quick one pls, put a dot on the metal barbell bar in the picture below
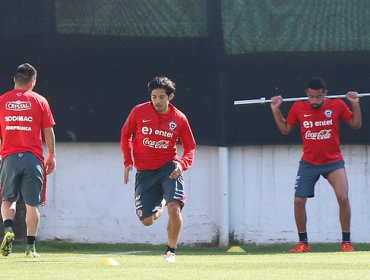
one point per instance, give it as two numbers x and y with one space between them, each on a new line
263 100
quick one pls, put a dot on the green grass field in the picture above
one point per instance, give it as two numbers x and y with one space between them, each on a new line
84 261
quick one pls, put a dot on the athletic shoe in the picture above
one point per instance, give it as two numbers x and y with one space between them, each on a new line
347 247
6 245
301 248
169 257
31 252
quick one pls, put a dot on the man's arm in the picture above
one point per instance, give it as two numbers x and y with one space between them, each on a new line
189 145
356 121
50 163
278 116
127 132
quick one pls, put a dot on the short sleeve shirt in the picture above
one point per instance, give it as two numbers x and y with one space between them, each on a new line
320 129
23 115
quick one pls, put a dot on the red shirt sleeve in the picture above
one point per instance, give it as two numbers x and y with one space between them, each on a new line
127 133
292 118
47 117
188 144
346 114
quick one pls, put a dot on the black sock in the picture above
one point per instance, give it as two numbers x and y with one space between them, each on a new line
172 250
8 223
346 237
31 240
303 237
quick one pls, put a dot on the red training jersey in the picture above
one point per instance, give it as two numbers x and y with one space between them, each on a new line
320 129
152 137
23 114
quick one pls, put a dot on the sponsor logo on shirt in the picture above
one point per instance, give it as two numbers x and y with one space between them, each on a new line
309 124
18 105
18 127
161 144
320 135
148 131
18 118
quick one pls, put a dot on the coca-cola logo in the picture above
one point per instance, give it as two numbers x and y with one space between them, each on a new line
161 144
320 135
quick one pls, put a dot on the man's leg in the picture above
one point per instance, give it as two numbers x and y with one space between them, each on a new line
173 230
338 180
301 221
8 210
174 223
150 220
32 222
300 213
175 195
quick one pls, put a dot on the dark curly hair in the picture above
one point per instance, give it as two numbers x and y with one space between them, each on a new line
162 82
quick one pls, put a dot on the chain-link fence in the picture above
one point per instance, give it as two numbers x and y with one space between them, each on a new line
296 25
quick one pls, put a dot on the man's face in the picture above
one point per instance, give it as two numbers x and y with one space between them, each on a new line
316 97
161 100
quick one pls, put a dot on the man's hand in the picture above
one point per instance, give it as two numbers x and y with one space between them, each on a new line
356 121
177 171
276 102
50 164
352 96
126 173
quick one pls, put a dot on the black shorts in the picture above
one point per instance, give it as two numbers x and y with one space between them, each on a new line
151 186
309 173
22 177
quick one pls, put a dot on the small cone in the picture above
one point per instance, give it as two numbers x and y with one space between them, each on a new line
236 249
109 261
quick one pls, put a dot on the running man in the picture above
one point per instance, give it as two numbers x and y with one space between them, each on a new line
23 115
150 135
319 119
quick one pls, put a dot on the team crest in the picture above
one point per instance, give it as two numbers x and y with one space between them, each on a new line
328 113
172 125
139 213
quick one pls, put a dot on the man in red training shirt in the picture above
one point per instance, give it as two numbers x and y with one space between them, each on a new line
319 119
149 136
24 115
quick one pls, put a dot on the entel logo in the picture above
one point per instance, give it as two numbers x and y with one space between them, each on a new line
18 105
148 131
309 124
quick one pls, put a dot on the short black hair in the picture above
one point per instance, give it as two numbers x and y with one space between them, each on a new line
317 83
162 82
25 73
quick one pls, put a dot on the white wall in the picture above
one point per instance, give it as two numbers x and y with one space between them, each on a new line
88 202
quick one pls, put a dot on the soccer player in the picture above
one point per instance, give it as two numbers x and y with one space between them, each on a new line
23 115
150 135
319 121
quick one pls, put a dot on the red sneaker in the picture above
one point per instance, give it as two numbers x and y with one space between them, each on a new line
347 247
301 248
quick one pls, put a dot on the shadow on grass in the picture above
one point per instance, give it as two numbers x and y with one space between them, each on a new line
203 249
